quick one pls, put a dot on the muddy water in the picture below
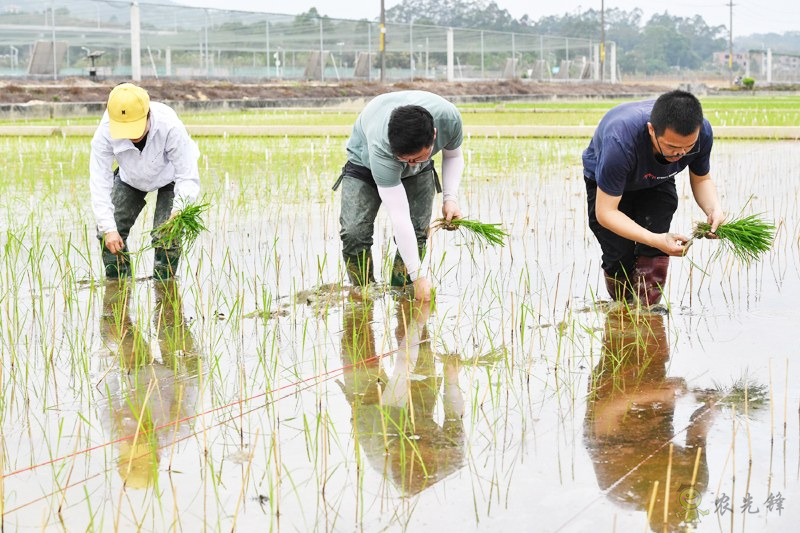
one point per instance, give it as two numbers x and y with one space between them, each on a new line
257 392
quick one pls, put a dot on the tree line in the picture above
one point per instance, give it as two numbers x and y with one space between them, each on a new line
661 44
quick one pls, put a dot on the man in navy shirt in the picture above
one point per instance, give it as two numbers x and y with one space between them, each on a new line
629 169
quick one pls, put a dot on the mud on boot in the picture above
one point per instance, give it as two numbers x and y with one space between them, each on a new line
116 266
359 268
400 277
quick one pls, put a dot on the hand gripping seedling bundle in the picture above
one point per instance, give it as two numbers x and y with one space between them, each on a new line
484 233
747 238
182 229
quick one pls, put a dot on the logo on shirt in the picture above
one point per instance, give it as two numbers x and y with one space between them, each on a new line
652 177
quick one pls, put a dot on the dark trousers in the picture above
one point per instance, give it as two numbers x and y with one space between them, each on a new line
128 204
651 208
360 203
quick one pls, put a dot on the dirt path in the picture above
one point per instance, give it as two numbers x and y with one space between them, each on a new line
82 90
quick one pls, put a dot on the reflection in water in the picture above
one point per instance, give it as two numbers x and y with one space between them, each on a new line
393 416
630 416
146 392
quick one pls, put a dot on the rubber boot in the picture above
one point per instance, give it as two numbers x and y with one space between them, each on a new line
618 288
650 276
359 268
116 266
165 263
400 277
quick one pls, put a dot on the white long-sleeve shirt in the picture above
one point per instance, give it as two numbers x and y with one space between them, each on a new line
169 155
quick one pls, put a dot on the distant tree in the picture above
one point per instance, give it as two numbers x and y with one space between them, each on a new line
484 14
664 43
668 42
585 24
311 18
788 42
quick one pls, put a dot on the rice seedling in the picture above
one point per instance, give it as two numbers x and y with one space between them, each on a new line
746 238
183 229
485 233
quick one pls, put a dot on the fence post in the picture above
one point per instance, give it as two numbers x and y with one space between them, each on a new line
427 72
450 71
206 55
769 65
55 55
266 23
136 43
541 47
382 46
483 74
369 51
411 48
541 58
321 53
513 56
613 61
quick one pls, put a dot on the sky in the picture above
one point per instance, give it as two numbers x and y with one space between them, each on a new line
749 16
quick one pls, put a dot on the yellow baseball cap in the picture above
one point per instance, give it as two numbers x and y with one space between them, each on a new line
128 106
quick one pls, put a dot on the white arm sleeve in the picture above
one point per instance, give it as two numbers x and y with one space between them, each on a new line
183 153
396 202
101 182
452 169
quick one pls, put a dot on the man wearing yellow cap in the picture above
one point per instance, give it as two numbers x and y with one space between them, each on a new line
153 152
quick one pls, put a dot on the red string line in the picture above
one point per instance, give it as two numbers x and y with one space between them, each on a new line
193 434
208 412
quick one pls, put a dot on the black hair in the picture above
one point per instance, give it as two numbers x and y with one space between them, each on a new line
679 111
410 130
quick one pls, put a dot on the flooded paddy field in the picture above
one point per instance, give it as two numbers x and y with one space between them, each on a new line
257 391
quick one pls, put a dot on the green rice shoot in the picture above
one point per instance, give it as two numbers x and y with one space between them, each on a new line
747 238
485 233
182 230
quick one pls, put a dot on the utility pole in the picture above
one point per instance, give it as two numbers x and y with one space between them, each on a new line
730 44
602 57
382 46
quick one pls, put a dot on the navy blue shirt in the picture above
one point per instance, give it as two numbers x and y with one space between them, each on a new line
621 158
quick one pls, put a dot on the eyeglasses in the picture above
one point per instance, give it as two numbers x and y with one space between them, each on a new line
675 156
423 156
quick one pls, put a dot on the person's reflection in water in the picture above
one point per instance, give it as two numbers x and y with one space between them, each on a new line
393 416
630 415
146 392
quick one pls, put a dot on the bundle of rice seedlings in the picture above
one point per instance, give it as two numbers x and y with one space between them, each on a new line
183 229
485 233
746 238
